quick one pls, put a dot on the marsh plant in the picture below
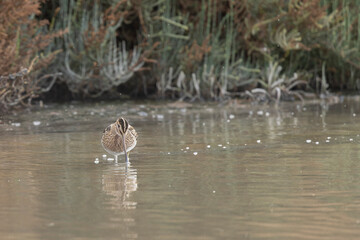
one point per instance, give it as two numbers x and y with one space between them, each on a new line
191 50
276 86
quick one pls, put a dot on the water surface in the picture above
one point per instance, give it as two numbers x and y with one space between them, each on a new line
199 171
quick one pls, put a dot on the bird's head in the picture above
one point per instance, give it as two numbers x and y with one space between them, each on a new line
121 126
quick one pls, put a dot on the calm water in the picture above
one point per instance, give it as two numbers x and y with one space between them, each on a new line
198 172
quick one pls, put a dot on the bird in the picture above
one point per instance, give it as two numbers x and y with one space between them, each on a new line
119 136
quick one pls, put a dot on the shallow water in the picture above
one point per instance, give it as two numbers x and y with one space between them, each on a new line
198 172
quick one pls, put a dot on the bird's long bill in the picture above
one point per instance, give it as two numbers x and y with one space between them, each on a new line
126 156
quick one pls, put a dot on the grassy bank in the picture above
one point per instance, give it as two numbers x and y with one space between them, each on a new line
207 49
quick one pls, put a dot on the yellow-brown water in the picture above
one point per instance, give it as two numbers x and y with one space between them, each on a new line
198 172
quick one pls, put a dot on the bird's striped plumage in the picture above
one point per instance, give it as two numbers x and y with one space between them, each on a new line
118 134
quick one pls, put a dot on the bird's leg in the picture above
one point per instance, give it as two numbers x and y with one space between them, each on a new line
126 156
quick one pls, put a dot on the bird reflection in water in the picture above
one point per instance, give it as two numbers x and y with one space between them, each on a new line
119 182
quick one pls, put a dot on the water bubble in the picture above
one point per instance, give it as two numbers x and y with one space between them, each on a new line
187 148
16 124
258 141
260 113
104 155
328 137
208 146
220 145
96 160
224 147
110 159
351 139
168 153
228 120
267 114
231 116
36 123
195 153
308 141
327 140
317 143
354 114
214 191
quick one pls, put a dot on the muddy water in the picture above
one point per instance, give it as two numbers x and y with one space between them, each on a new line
198 172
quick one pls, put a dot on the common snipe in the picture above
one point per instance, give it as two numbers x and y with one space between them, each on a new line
119 136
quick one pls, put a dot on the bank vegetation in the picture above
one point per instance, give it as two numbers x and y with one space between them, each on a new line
177 49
